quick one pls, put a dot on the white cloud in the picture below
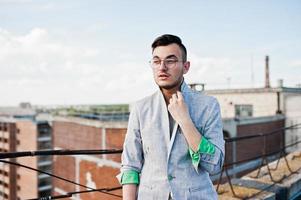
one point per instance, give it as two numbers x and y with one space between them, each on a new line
15 1
212 71
44 69
225 72
295 63
37 67
37 5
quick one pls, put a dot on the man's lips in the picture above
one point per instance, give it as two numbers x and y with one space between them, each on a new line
163 75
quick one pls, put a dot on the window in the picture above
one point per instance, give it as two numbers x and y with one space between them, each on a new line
243 110
45 145
44 158
46 168
45 193
44 182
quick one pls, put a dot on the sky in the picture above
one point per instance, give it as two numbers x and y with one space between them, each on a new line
97 51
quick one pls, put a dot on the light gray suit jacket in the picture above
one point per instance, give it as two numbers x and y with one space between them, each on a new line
164 164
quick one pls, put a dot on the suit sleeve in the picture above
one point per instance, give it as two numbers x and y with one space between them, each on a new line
210 154
132 155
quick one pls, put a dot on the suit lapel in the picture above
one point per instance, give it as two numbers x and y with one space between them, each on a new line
173 136
165 130
184 89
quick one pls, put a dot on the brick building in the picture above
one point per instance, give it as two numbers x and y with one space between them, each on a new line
96 171
24 135
242 150
263 102
99 171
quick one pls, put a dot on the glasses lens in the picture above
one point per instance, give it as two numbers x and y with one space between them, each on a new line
169 63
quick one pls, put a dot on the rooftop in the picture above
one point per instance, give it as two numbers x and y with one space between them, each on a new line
255 90
17 111
92 122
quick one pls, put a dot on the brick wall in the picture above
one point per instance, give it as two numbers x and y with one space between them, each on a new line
251 148
64 166
69 135
96 171
114 140
98 177
27 139
19 136
100 171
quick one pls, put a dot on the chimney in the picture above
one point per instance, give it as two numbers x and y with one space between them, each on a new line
267 73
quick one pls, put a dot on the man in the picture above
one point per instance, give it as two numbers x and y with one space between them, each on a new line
174 138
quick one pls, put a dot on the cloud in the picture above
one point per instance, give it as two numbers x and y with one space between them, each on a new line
295 63
218 72
43 69
16 1
36 5
209 70
36 56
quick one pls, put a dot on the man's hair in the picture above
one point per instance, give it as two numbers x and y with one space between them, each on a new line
168 39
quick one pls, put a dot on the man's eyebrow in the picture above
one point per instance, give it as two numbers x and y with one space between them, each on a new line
167 57
171 56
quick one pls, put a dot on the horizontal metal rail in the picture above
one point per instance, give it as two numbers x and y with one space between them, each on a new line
70 194
4 156
55 176
59 152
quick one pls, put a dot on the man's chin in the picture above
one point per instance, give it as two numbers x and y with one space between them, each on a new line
166 86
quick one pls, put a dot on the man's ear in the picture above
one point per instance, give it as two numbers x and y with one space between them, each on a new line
186 67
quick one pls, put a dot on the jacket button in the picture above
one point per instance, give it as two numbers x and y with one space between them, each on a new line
170 177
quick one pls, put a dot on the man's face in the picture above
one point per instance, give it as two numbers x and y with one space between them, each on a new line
169 76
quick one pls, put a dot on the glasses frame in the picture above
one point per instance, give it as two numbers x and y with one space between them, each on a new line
169 66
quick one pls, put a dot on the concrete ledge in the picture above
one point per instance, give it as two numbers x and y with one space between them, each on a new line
288 185
243 192
279 191
293 184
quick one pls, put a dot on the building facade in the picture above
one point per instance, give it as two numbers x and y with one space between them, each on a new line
247 152
18 135
94 171
263 102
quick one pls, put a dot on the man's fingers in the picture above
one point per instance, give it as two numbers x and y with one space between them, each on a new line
174 97
180 96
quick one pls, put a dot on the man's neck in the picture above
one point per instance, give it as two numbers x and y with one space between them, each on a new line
167 93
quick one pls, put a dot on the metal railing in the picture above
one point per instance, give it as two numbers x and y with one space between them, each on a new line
264 161
62 152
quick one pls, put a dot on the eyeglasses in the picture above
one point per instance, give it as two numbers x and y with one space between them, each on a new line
169 63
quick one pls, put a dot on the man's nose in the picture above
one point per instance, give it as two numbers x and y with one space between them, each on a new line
162 65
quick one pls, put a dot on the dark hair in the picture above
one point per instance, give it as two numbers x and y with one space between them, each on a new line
168 39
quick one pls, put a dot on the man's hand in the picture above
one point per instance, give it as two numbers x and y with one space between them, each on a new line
178 109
